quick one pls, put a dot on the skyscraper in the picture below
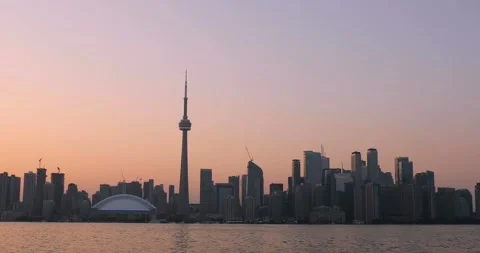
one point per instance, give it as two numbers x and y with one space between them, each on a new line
41 178
356 166
403 170
312 167
295 172
58 181
4 190
171 194
185 125
29 192
255 183
244 187
235 182
206 188
372 165
14 190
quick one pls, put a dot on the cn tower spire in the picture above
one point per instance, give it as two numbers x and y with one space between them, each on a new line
185 99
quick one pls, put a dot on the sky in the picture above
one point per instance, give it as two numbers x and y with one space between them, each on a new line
96 87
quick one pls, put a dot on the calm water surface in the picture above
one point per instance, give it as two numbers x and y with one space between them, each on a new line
145 238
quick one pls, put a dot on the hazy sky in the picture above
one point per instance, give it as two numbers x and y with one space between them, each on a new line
97 86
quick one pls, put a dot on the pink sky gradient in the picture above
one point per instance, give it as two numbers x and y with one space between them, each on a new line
94 87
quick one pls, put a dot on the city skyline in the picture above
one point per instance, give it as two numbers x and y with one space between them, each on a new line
104 95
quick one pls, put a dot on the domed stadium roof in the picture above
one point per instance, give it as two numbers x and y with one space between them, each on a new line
124 202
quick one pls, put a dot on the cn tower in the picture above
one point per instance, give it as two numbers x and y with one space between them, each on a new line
185 125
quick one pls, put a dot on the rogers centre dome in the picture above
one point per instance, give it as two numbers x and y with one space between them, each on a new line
123 207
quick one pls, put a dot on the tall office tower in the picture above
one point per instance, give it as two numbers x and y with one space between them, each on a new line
171 194
185 125
235 182
4 191
403 170
146 191
356 166
477 199
223 191
105 191
303 200
275 208
29 192
372 165
276 188
134 188
244 187
151 188
206 188
41 179
229 209
255 183
250 209
48 191
159 200
295 172
14 191
325 163
425 195
312 167
58 181
329 183
372 202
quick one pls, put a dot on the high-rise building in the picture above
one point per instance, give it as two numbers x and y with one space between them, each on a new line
4 191
312 167
185 125
159 200
295 172
255 183
403 170
41 179
206 188
477 200
171 194
356 166
148 187
303 200
14 191
372 165
244 187
29 180
235 182
48 192
371 202
223 191
105 191
250 209
58 181
229 208
275 210
276 188
329 183
425 190
325 163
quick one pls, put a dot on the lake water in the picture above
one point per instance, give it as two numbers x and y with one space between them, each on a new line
145 238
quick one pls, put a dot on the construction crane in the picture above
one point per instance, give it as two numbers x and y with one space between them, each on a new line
251 158
123 176
40 162
322 150
58 168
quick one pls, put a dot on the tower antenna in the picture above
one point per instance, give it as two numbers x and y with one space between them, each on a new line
40 163
322 150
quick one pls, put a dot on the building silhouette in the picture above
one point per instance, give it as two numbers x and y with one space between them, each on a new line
29 181
185 125
403 170
41 179
206 191
255 183
373 171
356 167
312 167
